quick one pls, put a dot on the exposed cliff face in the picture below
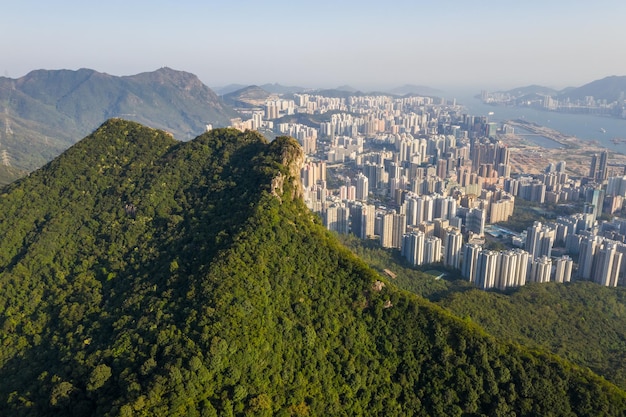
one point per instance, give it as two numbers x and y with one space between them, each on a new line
289 153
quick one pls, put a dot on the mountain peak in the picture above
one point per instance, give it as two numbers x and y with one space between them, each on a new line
290 155
50 109
250 96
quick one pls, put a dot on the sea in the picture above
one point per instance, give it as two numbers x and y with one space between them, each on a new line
600 129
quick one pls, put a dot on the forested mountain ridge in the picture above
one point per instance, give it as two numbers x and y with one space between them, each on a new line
580 321
144 276
46 111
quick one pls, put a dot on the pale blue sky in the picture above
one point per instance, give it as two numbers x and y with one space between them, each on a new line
488 44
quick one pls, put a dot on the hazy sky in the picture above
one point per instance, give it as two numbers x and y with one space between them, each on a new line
322 43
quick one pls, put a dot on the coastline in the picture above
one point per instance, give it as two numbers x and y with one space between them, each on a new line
530 158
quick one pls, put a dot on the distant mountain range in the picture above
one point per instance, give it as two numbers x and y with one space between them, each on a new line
531 89
347 91
415 90
610 89
46 110
247 97
342 90
270 88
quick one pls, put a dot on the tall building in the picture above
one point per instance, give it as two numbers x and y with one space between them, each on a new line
593 168
386 231
470 261
563 271
368 221
452 248
363 217
362 187
336 218
588 248
602 169
475 221
521 269
506 271
411 210
432 250
541 269
616 186
399 229
441 227
502 154
425 209
413 247
375 174
452 207
312 172
539 240
598 168
501 210
595 197
486 269
608 265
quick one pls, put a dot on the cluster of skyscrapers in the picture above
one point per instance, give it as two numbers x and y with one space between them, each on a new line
418 175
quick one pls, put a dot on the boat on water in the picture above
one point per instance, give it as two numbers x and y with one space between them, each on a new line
603 130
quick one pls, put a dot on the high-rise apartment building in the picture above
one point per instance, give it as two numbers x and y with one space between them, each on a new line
541 269
362 187
598 169
452 248
540 239
432 250
486 269
608 264
386 231
563 271
336 218
399 229
413 247
470 261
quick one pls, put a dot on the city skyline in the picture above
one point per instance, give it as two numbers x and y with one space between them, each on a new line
367 45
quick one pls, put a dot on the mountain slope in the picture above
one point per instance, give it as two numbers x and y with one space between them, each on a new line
608 88
45 111
247 97
582 322
153 277
532 90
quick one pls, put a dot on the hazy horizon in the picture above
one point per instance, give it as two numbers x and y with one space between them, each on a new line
367 45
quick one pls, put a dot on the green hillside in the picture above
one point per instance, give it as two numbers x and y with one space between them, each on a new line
45 111
582 322
144 276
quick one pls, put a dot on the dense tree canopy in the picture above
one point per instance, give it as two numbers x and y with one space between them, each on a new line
143 276
580 321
